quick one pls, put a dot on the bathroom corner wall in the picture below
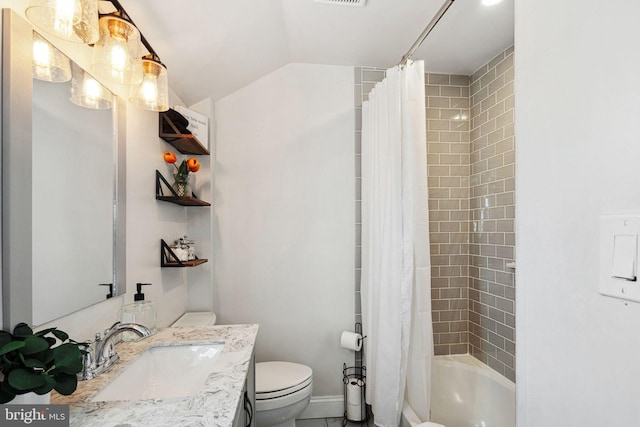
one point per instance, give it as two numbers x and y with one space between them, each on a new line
365 78
447 101
200 292
492 237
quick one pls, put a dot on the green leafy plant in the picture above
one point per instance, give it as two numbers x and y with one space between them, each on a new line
38 362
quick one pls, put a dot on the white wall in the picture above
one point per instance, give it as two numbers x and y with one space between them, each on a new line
284 204
199 221
149 220
577 151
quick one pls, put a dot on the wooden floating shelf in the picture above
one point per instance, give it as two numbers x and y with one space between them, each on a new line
184 143
174 198
183 200
191 263
168 258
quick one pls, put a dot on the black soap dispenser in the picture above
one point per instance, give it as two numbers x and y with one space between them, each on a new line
140 311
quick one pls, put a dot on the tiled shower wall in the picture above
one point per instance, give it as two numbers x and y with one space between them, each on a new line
470 157
492 237
447 112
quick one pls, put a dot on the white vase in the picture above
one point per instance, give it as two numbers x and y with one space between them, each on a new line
31 399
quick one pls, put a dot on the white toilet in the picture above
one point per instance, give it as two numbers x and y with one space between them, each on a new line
283 391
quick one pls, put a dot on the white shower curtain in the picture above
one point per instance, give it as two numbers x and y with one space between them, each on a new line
395 284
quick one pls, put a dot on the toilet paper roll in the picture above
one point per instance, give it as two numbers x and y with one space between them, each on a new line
351 341
354 394
354 413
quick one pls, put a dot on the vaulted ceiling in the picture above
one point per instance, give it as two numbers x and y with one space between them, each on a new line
215 47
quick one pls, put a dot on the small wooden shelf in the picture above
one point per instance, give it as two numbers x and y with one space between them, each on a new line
183 200
184 143
168 258
191 263
174 198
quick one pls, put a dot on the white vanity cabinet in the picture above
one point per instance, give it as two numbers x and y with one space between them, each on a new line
246 410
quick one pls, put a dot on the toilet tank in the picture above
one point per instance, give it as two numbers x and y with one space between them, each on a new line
196 318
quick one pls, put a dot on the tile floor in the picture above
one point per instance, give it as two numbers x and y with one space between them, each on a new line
330 422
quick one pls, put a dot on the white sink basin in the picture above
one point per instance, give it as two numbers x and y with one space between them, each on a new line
163 372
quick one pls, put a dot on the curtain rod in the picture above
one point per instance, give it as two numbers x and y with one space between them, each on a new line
407 56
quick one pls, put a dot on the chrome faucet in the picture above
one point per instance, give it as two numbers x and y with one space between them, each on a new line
101 355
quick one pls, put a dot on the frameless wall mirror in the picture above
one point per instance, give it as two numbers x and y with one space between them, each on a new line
73 194
63 190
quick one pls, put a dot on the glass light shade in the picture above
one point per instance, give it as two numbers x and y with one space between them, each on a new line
49 64
117 56
88 92
153 93
72 20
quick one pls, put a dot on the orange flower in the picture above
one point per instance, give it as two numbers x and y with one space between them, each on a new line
169 157
193 164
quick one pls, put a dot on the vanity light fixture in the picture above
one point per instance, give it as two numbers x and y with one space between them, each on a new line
153 93
116 55
48 63
88 92
72 20
490 2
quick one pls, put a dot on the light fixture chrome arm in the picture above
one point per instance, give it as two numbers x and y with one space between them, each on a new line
407 56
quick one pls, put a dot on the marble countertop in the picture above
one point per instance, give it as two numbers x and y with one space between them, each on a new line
214 406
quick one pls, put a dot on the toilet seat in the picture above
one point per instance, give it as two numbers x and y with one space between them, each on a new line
279 384
276 379
282 392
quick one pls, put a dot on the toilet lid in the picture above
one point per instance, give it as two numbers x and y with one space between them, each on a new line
276 376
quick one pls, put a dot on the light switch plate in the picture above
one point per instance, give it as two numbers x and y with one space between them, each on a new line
612 259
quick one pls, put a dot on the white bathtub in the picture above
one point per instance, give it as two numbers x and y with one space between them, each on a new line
467 393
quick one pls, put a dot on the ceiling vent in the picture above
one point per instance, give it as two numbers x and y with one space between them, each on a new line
359 3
